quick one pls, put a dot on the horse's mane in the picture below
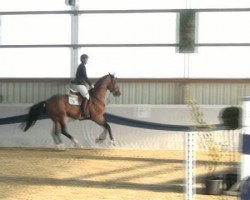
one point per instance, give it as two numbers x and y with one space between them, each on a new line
98 84
100 80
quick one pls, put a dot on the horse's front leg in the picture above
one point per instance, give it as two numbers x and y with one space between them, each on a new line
107 127
102 136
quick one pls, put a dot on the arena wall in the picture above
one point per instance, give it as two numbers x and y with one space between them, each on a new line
135 91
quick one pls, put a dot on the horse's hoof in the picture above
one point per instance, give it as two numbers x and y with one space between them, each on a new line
113 143
79 146
61 147
98 140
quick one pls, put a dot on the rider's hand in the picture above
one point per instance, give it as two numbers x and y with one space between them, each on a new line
92 86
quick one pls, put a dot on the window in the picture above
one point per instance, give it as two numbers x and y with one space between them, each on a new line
128 28
220 62
28 62
135 62
35 29
224 27
120 28
31 5
219 4
130 4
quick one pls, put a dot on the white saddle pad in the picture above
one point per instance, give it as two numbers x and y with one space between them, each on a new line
74 100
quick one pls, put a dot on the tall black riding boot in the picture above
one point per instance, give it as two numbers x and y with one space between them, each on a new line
84 108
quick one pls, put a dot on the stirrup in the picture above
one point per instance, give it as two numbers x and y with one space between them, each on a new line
84 115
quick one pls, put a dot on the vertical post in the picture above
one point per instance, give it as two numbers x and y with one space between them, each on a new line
74 40
189 165
0 31
245 139
186 65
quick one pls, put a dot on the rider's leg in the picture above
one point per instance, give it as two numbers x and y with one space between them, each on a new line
84 108
85 94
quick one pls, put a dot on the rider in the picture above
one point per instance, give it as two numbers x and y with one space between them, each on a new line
82 82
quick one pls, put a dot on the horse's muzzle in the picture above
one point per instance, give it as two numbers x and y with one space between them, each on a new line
116 92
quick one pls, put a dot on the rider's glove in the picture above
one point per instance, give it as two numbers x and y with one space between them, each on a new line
92 86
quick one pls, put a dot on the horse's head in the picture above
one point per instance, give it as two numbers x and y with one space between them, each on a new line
113 86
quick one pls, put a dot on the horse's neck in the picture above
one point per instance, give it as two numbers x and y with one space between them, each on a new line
101 88
100 93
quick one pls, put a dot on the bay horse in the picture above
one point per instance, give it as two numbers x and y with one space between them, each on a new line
59 110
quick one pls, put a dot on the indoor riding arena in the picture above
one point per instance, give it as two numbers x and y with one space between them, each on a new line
165 110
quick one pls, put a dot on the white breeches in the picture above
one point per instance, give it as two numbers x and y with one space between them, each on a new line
83 91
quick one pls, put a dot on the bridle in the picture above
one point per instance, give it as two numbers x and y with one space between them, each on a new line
111 90
113 84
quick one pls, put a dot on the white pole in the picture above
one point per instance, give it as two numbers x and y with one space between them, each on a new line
189 165
74 40
245 139
0 31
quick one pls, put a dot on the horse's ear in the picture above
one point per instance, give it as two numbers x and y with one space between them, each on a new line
112 75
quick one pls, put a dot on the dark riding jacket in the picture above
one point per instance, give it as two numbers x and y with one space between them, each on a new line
81 76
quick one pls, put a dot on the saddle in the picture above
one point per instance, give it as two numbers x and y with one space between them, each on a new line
75 98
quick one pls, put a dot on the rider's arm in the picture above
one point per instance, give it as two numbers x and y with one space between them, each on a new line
86 77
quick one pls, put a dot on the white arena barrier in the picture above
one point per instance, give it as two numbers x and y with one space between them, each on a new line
245 147
126 137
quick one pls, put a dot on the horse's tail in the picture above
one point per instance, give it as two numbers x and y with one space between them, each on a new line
34 113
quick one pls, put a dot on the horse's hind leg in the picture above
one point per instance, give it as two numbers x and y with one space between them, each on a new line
65 132
56 135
